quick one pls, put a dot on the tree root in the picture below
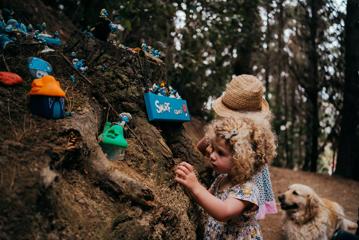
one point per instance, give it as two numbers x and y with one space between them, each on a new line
102 169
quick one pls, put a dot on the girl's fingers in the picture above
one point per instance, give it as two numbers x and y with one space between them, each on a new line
180 180
180 173
187 165
184 169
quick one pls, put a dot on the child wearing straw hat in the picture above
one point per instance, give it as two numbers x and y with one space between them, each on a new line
238 150
243 97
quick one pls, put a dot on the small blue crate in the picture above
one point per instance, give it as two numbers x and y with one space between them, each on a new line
161 108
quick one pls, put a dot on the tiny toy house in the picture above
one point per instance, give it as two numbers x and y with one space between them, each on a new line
47 106
162 108
113 142
47 99
112 139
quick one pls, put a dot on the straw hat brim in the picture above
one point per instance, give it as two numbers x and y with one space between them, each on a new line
223 111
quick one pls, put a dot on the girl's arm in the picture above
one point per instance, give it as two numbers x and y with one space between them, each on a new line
218 209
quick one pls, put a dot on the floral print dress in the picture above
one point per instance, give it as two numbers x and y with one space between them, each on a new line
242 227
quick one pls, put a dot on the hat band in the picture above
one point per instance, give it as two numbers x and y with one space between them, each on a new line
242 109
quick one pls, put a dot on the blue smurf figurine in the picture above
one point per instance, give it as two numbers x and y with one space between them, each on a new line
163 90
125 118
73 79
173 93
2 25
155 88
14 26
4 41
30 28
41 27
116 27
10 25
144 47
155 52
104 13
79 64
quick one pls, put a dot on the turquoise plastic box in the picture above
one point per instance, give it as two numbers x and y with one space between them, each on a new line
161 108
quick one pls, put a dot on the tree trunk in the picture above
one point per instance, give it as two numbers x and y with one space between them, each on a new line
348 153
243 64
315 133
267 53
278 92
293 113
311 157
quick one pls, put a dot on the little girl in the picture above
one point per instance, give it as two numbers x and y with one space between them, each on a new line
238 148
243 97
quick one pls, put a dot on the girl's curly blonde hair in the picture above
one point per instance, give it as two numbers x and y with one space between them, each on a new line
253 144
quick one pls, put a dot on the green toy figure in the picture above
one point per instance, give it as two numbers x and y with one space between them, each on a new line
112 139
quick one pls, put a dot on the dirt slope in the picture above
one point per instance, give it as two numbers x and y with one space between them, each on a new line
56 182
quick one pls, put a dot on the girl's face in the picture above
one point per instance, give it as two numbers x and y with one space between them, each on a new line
220 155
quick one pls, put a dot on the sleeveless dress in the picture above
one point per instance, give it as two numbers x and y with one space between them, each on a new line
243 227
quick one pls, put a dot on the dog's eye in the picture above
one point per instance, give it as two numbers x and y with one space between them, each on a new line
295 193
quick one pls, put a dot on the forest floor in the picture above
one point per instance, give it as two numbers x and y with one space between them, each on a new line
343 191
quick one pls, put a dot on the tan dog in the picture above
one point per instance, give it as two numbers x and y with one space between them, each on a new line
309 217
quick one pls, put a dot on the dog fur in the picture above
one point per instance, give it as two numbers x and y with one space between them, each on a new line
310 217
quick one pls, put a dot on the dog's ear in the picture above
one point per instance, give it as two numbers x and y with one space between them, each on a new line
312 205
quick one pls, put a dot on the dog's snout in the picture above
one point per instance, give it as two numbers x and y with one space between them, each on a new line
281 198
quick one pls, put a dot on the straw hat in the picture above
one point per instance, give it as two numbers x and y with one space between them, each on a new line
243 98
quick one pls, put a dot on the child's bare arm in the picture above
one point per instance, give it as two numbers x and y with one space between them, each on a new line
218 209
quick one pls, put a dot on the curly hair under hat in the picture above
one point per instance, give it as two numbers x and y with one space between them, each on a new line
253 144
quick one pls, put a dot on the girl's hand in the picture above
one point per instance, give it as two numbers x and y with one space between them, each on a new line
186 176
204 146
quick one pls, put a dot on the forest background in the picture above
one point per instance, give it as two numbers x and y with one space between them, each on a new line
306 52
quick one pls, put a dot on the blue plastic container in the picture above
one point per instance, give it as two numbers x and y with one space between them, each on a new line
161 108
48 107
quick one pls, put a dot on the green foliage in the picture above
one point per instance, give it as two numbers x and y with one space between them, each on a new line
216 36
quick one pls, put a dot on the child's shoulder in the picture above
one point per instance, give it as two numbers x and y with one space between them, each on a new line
247 190
247 186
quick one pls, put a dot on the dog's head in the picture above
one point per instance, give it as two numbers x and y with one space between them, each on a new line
300 203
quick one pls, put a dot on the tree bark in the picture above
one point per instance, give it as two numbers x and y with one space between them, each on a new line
348 153
311 158
243 65
267 53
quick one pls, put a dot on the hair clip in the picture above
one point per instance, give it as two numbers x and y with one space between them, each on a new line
229 135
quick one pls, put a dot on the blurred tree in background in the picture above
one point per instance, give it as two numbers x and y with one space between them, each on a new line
348 156
295 47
